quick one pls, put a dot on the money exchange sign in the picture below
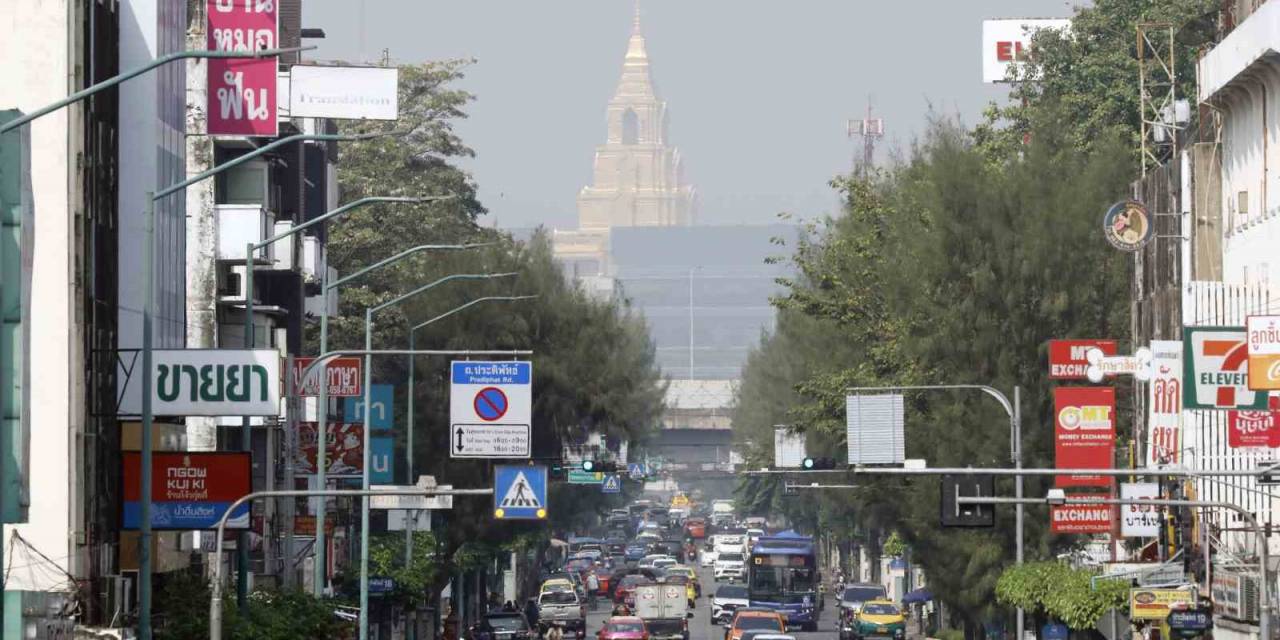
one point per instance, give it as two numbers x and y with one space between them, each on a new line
1084 433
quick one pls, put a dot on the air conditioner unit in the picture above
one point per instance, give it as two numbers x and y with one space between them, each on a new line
283 254
230 284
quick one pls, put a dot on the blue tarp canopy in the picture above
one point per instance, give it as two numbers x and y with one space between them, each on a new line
917 595
789 534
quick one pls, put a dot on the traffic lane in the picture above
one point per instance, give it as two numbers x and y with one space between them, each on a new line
704 630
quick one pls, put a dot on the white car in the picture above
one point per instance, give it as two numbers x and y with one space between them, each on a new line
649 561
730 565
707 557
665 562
727 599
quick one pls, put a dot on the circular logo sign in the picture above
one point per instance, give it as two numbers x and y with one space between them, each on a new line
1069 418
1127 225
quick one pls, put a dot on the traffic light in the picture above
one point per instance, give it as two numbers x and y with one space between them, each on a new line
811 464
593 466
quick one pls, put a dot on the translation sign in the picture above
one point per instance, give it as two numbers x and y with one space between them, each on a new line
242 93
490 409
1263 333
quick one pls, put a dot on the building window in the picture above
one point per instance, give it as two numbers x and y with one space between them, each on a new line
630 127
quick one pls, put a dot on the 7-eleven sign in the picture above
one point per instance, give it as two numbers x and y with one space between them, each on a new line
1215 370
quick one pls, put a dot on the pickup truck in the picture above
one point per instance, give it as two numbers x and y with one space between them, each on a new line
665 610
562 608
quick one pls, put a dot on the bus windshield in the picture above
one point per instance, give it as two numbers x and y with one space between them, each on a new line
781 578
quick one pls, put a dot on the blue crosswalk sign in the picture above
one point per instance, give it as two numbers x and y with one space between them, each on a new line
611 484
636 470
520 492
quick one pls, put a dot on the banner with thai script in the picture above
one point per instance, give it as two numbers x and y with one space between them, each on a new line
1264 352
1139 521
1084 433
242 93
1253 429
345 376
188 490
1164 403
1067 358
1081 518
206 382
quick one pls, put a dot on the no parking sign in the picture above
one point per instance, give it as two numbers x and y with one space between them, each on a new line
490 409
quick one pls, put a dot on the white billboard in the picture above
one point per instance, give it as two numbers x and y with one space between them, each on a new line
874 428
349 93
788 448
1139 521
1007 42
207 382
1164 404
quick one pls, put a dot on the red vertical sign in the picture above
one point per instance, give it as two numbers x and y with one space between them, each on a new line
1067 357
242 93
1084 433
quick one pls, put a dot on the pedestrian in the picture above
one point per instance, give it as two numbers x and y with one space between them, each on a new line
531 612
554 633
593 586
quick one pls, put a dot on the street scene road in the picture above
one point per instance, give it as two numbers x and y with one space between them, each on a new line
639 320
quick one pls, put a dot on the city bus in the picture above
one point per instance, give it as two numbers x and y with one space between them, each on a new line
782 574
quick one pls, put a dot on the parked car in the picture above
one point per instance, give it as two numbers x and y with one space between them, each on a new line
623 628
880 619
727 599
754 620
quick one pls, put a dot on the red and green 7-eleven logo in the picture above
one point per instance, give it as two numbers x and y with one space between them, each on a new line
1215 370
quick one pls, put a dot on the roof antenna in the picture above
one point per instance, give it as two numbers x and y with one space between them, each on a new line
635 22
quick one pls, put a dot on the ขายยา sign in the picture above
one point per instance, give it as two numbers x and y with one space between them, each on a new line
209 382
242 92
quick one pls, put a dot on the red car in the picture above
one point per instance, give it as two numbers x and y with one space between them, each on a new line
695 528
603 577
626 590
623 628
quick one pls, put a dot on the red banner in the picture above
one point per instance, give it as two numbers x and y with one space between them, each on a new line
242 92
1253 429
1081 518
345 375
1067 357
188 490
344 455
1084 433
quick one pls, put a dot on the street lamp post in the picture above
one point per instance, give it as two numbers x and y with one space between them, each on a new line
246 434
368 383
1014 411
319 575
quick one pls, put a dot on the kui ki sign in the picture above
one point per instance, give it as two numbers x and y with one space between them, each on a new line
1215 372
188 490
242 92
1084 433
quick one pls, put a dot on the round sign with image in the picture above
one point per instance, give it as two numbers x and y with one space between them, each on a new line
1127 225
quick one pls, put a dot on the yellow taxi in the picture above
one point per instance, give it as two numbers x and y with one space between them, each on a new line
880 619
556 584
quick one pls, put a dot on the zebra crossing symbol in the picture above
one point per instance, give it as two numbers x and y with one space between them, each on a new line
520 492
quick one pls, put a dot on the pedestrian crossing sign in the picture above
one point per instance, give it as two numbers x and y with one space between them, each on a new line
520 492
611 484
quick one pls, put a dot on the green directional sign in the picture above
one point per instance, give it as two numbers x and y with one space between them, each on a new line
578 476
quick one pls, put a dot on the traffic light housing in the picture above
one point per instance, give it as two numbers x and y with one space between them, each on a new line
812 464
955 514
556 470
598 466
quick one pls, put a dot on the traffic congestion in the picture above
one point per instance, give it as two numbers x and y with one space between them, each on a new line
658 571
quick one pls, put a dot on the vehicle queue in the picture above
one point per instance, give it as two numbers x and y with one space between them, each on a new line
643 565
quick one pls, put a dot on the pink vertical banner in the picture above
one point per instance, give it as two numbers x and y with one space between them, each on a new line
242 92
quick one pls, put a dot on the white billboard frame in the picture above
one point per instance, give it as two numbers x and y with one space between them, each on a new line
344 92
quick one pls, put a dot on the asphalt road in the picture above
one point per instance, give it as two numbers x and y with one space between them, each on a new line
700 627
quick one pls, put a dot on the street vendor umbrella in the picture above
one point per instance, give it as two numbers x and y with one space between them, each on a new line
917 595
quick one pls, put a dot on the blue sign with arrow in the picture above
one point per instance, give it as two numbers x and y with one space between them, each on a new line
611 484
381 397
520 492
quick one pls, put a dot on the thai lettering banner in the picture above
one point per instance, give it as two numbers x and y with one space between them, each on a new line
207 382
1084 433
1264 352
1164 403
242 93
1139 521
188 490
344 449
1253 429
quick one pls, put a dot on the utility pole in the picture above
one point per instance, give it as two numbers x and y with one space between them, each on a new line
871 130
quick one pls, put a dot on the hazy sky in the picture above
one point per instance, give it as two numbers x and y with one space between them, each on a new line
758 90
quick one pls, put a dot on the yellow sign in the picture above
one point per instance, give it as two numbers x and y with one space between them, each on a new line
680 500
1155 604
1263 335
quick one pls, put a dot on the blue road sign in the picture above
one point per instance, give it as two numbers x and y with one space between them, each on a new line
520 492
382 458
611 484
380 585
636 470
381 397
491 404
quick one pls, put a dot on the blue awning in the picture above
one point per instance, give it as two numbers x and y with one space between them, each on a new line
918 595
